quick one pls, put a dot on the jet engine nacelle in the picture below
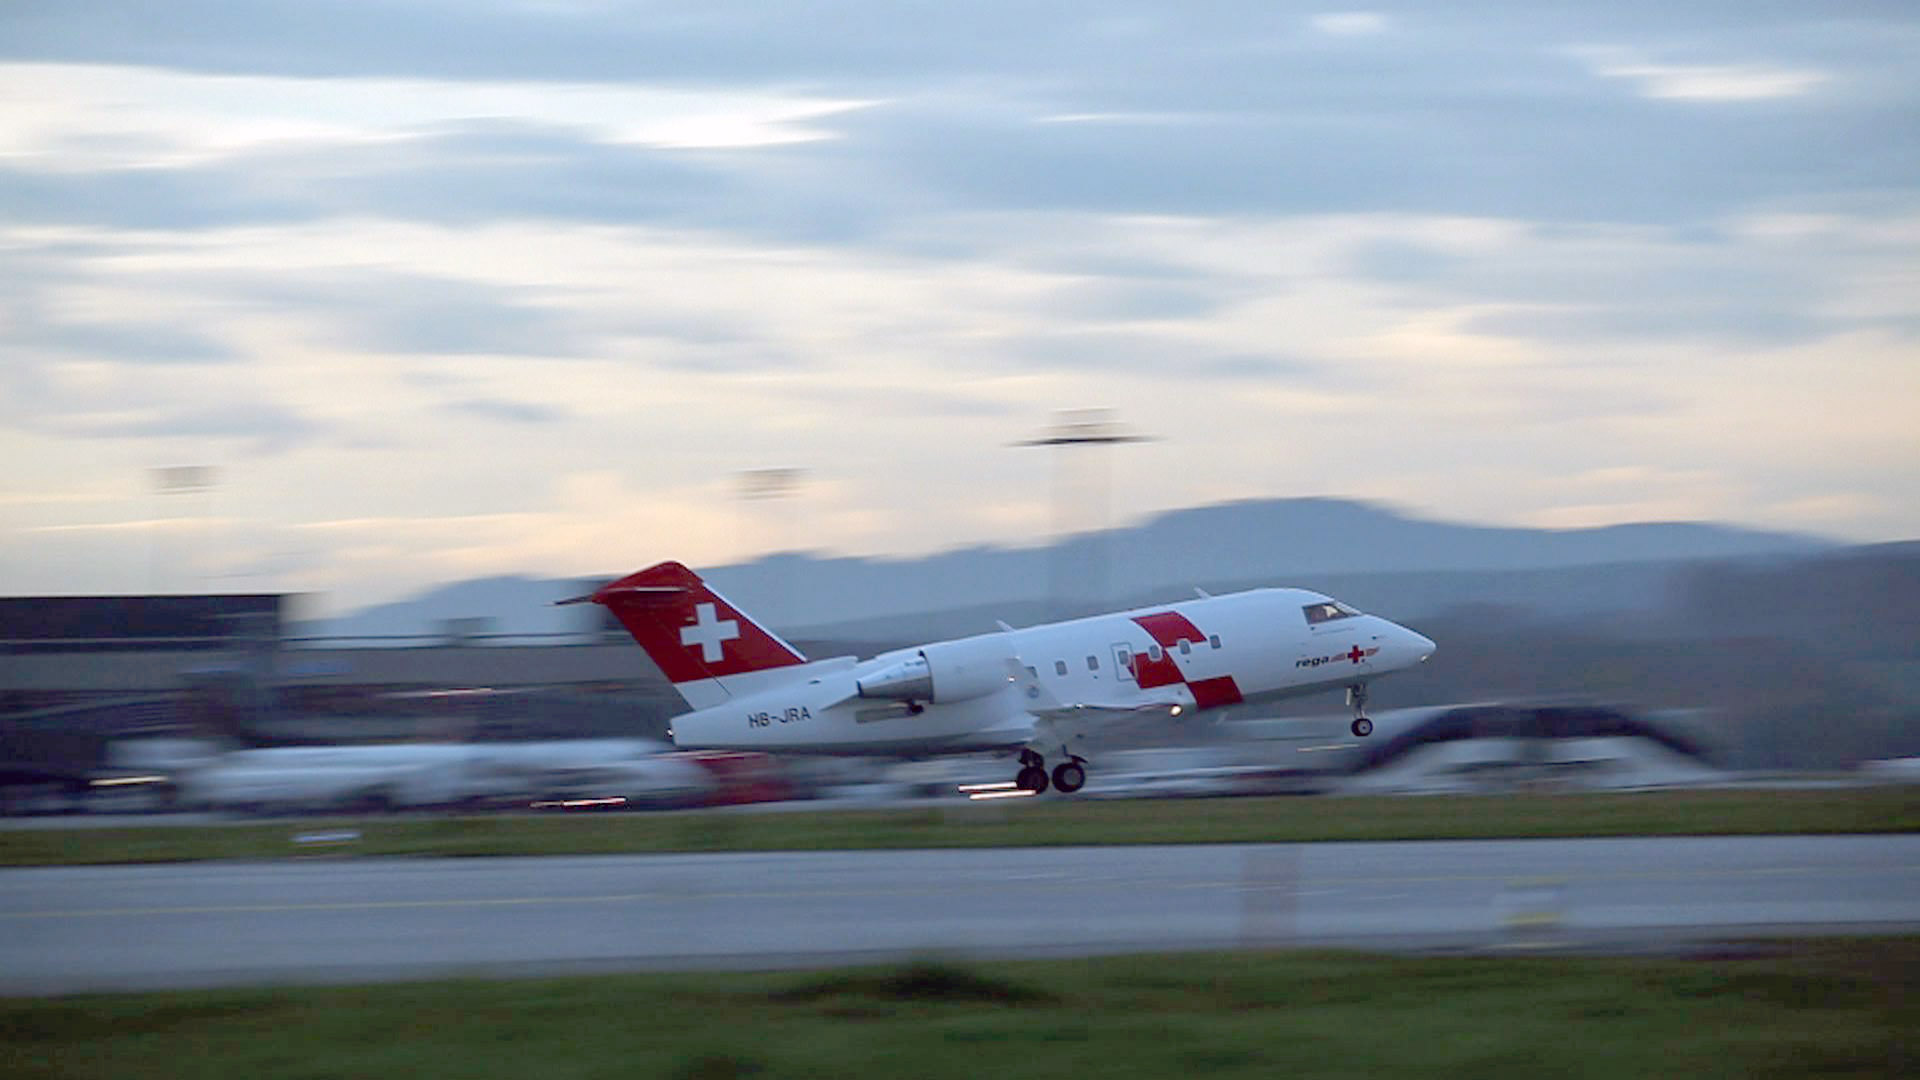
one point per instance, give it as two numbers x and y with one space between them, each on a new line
944 672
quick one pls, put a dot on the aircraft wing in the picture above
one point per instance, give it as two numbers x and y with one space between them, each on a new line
1086 711
1047 707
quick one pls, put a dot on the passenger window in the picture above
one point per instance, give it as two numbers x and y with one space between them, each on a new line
1214 640
1154 653
1093 663
1126 659
1186 647
1059 667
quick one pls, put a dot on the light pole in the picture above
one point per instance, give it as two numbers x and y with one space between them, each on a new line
174 480
771 487
1082 474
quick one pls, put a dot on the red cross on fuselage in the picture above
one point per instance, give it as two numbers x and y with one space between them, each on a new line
1356 655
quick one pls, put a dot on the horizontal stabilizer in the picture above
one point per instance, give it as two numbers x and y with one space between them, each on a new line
638 591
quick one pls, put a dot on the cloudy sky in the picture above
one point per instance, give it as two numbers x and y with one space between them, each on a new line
443 288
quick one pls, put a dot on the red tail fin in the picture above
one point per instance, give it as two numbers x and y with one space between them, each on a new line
691 632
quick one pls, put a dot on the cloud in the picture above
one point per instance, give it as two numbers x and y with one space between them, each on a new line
263 427
150 117
712 42
1169 120
1703 82
457 174
31 330
688 239
512 412
161 198
386 312
110 398
584 522
1742 282
1135 300
978 396
1747 319
1350 23
1161 355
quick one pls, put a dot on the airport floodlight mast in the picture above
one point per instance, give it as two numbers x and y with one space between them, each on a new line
770 486
177 480
1082 481
770 520
773 483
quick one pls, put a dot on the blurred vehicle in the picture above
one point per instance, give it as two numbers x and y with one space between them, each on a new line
421 775
1178 773
741 777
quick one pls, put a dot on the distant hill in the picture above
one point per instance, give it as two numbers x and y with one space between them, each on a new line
1304 542
1321 536
1372 555
1611 591
505 605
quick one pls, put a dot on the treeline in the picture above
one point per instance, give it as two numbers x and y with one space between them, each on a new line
1811 663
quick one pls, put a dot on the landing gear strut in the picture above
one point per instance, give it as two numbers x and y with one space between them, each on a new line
1357 697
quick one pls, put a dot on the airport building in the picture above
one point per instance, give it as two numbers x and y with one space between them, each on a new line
78 674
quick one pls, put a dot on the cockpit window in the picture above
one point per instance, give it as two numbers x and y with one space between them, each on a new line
1327 611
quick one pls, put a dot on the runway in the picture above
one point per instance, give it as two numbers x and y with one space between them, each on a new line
77 929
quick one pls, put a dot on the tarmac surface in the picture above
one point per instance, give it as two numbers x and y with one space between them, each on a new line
342 919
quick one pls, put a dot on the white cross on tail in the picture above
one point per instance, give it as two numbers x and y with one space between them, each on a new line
708 632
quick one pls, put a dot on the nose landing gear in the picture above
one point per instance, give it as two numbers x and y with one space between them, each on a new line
1357 697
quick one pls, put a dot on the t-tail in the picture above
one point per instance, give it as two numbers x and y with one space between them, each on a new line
709 649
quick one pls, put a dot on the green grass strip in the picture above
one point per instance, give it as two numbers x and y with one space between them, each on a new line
1020 823
1828 1007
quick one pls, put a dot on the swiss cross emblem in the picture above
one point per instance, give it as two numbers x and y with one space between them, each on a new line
709 632
1356 655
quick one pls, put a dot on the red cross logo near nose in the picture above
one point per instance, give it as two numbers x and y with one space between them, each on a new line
1356 655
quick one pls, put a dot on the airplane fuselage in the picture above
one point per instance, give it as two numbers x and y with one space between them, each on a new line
991 691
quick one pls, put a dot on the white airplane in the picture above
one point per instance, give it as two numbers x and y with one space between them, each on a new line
418 775
1033 691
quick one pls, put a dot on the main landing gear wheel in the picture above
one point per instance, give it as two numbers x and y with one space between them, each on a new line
1033 773
1069 776
1362 727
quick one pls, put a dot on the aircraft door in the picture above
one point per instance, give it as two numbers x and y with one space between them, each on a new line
1123 661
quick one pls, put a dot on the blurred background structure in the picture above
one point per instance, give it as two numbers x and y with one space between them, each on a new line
1080 442
1711 656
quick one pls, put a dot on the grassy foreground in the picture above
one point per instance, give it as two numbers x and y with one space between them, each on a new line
1808 1008
1027 823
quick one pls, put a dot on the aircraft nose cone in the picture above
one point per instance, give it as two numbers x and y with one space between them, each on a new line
1422 645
